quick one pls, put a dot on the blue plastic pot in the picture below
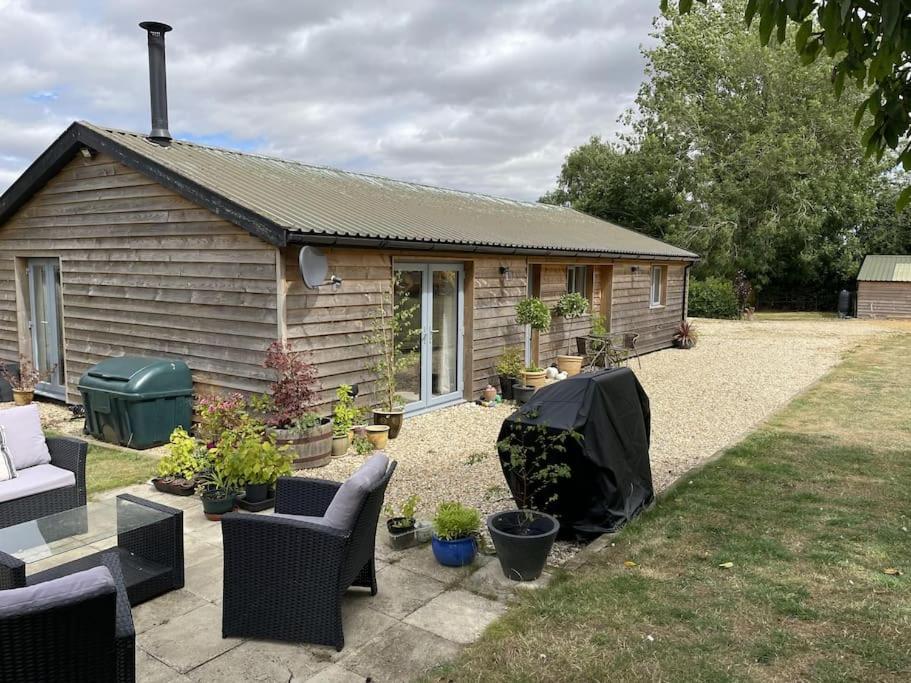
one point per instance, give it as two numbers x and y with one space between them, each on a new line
457 553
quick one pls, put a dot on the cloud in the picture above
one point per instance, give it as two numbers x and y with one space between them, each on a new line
472 95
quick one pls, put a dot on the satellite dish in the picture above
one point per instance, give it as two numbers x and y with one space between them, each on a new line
313 267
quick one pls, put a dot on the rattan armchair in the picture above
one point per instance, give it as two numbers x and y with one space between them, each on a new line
285 575
90 640
66 453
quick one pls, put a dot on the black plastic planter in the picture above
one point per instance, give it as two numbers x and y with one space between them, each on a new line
506 383
522 393
523 539
256 493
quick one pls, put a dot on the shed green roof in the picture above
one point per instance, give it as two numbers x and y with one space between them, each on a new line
312 200
886 268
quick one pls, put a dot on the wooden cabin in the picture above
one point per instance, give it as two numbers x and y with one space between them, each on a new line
884 287
114 244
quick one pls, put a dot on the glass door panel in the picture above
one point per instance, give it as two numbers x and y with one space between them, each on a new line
445 332
409 287
46 325
434 334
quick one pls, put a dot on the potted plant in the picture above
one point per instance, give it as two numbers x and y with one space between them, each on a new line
287 413
532 466
178 470
455 534
522 393
534 313
570 364
378 436
686 335
509 367
216 414
392 335
218 493
404 521
250 457
23 383
344 415
534 376
571 305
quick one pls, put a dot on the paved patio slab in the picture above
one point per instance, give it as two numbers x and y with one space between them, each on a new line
188 641
400 654
457 615
260 661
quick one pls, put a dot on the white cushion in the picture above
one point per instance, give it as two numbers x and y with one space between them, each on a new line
346 503
7 468
37 479
67 590
24 437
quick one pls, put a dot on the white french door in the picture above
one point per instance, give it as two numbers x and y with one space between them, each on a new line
435 291
46 325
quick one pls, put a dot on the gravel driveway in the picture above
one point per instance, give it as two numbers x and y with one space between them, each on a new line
702 400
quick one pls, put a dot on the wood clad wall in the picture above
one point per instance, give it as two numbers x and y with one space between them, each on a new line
561 338
495 327
330 323
630 305
144 272
883 299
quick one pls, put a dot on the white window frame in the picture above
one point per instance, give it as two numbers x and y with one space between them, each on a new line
577 280
657 287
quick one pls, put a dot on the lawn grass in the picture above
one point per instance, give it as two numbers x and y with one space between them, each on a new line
107 468
810 509
789 316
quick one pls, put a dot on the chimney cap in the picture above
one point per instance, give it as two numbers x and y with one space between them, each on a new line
155 26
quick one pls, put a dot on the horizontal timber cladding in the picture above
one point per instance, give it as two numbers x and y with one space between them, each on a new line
143 272
630 310
883 299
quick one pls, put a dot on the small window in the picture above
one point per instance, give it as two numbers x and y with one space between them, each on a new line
659 285
577 280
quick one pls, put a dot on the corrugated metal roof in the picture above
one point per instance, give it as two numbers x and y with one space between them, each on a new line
323 201
886 268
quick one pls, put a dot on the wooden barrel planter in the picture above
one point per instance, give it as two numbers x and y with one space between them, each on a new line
311 448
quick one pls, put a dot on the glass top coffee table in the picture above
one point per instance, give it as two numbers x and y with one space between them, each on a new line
146 537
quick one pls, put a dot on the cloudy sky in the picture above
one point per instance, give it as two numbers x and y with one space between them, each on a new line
485 96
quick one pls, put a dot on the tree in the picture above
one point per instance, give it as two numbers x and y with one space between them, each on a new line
871 40
739 153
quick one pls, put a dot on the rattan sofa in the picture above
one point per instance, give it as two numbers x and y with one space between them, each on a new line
90 639
285 575
66 453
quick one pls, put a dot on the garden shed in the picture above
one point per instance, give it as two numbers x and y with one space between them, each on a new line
884 286
116 243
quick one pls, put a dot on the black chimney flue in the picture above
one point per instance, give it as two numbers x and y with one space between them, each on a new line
158 82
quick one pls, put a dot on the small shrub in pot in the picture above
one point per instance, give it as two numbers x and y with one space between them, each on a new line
250 458
455 534
509 368
686 335
178 469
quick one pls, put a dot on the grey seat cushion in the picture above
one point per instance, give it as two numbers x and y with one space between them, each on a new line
37 479
67 590
24 437
344 507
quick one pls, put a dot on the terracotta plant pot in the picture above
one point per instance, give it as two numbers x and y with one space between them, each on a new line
490 393
311 448
340 445
390 418
23 398
378 435
571 365
534 379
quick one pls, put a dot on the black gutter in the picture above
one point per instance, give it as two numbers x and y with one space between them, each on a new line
686 291
418 245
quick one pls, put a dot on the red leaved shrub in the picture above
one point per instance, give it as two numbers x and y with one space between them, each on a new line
294 388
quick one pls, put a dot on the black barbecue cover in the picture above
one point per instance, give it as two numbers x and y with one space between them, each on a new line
611 480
